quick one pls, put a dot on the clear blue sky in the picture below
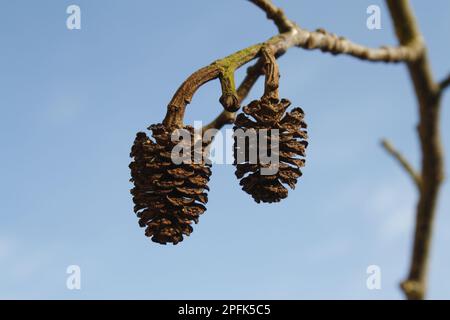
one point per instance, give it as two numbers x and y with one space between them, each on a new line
72 101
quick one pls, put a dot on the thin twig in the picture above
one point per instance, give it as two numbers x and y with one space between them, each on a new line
272 74
275 14
221 120
403 162
445 83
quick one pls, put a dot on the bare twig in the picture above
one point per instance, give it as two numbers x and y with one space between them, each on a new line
428 97
328 42
403 162
276 14
221 120
445 83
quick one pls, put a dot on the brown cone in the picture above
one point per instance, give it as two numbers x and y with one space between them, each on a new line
269 113
167 196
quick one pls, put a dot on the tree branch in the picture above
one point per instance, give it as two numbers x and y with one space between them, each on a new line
328 42
403 162
428 97
220 68
294 37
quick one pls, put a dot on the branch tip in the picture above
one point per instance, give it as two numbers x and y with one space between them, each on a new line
387 145
445 83
275 14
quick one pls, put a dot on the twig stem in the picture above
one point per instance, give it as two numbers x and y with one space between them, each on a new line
403 162
444 84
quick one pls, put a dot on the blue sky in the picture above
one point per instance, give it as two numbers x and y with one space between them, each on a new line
72 101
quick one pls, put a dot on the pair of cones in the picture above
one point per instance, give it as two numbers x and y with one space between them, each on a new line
168 197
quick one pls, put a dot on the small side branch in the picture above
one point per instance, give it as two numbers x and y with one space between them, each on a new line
445 83
220 121
226 117
403 162
272 73
229 99
275 14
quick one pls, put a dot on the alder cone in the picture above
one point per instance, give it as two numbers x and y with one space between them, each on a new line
270 113
168 197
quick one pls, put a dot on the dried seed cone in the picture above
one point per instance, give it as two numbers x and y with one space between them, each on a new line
168 197
270 113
